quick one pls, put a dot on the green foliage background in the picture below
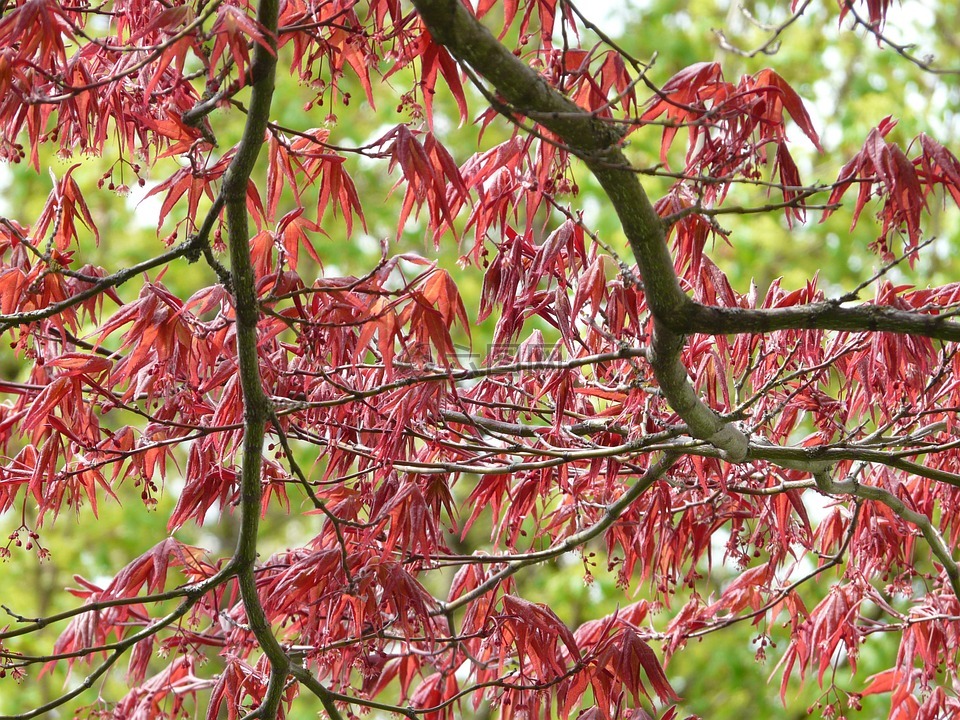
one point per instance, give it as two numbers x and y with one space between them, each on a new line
850 85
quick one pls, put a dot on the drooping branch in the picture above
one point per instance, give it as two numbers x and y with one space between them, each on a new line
121 648
189 248
827 484
613 512
189 596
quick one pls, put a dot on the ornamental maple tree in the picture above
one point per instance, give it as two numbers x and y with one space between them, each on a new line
633 411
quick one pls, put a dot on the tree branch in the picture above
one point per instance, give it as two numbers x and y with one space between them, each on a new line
613 512
826 315
121 649
256 405
184 249
827 484
597 143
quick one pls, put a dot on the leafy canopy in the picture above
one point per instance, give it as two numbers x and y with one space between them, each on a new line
623 405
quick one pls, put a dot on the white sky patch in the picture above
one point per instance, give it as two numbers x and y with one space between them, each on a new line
610 15
367 243
6 177
145 210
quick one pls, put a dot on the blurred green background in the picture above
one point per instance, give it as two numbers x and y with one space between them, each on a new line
849 85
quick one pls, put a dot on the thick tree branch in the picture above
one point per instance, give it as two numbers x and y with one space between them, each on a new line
256 405
827 315
703 423
597 143
327 698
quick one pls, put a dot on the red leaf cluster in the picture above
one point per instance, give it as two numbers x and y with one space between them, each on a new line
882 169
396 447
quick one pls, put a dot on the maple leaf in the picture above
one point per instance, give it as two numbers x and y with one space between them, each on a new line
192 182
431 177
65 205
233 30
41 29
